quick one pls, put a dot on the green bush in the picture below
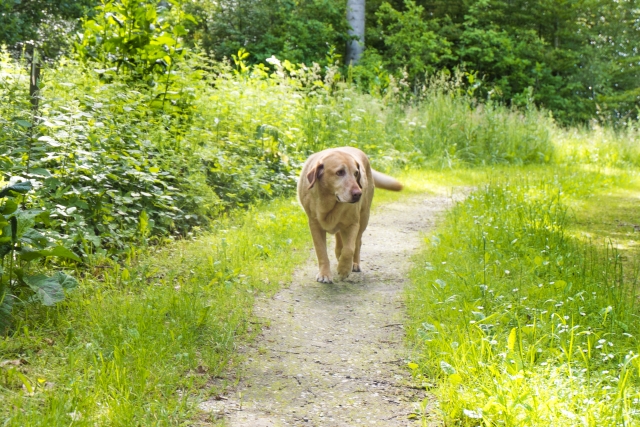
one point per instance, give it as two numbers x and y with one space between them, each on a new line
20 244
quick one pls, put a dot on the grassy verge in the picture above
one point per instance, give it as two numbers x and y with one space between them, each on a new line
135 344
138 342
518 319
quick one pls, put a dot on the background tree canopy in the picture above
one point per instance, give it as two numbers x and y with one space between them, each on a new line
577 58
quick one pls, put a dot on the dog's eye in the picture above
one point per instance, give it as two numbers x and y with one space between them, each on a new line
341 172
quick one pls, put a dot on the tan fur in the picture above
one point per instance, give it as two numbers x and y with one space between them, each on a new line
336 189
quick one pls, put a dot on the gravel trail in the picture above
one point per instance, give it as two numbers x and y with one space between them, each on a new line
333 355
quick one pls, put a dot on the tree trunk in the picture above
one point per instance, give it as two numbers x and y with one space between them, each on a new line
355 18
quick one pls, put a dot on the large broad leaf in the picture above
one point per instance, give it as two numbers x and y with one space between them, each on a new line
34 238
18 187
8 207
26 219
48 289
6 304
58 251
67 282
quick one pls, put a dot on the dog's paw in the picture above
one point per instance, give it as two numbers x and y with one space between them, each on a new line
323 278
356 268
342 276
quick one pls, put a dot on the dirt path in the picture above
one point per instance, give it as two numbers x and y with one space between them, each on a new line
333 355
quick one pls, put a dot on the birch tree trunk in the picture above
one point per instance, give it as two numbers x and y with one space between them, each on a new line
355 18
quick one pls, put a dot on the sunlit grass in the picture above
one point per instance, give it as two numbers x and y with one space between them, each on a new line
138 342
517 321
598 146
611 216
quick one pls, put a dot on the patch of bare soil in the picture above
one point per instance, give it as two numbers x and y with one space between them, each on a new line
334 354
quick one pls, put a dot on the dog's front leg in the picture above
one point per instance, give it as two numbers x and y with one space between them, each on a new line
320 245
345 263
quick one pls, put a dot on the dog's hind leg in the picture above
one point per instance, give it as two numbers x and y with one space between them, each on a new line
364 221
338 245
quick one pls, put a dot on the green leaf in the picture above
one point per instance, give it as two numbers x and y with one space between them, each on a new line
62 252
58 251
179 30
478 315
40 172
48 289
560 284
18 187
455 379
5 249
446 368
6 305
34 238
26 219
511 341
9 207
24 123
67 282
168 40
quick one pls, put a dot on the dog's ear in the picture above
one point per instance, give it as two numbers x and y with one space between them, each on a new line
359 175
315 174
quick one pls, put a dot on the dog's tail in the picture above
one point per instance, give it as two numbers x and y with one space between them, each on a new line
385 181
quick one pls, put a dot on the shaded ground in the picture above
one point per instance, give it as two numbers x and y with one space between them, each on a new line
333 355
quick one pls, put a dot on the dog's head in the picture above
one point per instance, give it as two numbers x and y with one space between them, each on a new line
340 174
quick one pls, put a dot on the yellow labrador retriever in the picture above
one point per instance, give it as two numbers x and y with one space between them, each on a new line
336 189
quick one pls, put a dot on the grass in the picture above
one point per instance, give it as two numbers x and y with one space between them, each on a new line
611 216
140 340
517 319
137 343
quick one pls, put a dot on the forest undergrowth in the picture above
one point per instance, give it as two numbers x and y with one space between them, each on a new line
138 200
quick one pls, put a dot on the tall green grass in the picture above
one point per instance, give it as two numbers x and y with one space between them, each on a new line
519 323
600 146
139 341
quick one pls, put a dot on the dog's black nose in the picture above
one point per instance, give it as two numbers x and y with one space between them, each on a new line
355 196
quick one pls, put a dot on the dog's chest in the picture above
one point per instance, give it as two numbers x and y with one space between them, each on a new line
341 216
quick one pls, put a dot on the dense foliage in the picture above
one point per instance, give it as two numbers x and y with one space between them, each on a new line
577 58
44 23
299 31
